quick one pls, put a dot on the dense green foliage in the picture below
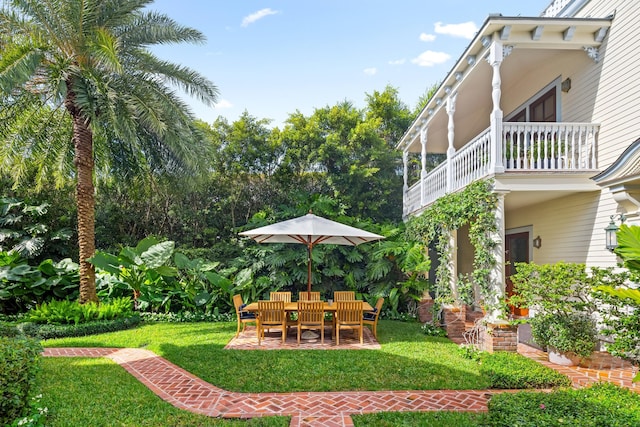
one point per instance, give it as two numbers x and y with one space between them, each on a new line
23 231
620 299
24 285
49 331
18 366
72 312
601 405
561 293
474 206
512 371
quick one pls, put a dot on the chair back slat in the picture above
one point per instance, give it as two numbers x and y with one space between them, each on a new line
237 302
349 312
310 311
280 296
309 296
271 312
344 295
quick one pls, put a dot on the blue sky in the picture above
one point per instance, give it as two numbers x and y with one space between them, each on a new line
272 58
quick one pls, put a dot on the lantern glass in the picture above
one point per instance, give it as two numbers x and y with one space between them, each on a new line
610 236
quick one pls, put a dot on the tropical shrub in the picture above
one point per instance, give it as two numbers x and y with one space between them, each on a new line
561 295
22 232
574 332
23 286
144 266
18 365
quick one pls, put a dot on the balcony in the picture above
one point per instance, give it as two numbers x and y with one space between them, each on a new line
525 148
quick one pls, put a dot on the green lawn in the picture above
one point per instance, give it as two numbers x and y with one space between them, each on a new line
408 360
98 392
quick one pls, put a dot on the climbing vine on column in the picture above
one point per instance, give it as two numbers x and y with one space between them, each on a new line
474 206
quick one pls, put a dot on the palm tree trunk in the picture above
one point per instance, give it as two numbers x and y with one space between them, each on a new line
85 198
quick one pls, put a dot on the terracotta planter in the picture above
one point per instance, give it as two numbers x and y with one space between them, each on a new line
562 358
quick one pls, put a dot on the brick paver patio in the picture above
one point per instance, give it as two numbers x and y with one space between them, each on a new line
185 391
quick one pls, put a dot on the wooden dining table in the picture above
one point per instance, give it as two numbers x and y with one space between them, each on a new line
293 306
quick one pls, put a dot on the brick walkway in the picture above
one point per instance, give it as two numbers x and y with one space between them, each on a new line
185 391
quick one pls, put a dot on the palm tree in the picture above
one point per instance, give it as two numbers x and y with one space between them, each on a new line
91 59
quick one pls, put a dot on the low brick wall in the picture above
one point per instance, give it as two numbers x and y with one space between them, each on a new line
425 310
603 360
500 337
454 319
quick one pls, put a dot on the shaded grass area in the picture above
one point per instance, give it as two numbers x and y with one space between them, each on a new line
408 360
98 392
420 419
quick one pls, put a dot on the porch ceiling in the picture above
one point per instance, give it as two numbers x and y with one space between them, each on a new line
529 43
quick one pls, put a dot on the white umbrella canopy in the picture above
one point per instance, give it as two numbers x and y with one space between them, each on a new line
311 230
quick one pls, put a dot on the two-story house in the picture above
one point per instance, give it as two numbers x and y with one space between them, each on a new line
547 107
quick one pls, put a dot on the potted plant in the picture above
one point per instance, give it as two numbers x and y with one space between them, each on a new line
568 338
560 296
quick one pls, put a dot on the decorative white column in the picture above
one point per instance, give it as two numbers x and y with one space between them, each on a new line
405 186
423 170
451 151
496 55
453 263
497 278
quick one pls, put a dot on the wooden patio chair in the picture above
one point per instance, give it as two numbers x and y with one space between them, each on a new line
344 295
348 316
280 296
311 316
286 297
243 316
271 314
309 296
371 317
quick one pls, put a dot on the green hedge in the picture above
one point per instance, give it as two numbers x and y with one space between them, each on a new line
513 371
601 405
82 329
18 365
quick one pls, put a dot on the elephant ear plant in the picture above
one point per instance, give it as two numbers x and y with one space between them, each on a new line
560 296
140 267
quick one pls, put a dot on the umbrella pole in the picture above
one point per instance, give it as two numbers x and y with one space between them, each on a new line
309 248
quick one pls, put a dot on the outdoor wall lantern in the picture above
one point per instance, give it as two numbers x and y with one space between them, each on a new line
537 242
610 231
566 85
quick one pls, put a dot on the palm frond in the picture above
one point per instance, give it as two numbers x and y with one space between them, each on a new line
18 65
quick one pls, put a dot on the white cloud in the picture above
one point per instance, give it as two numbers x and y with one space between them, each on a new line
465 29
430 58
370 71
223 104
250 19
427 37
397 61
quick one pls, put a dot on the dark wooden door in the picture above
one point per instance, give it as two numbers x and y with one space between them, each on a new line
516 250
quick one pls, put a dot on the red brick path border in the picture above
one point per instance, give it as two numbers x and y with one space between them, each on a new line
186 391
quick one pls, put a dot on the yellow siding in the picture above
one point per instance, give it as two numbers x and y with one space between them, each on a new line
571 228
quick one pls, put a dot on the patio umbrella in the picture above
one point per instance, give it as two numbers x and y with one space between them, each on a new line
311 230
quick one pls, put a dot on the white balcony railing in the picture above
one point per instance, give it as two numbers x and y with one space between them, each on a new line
528 147
550 146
